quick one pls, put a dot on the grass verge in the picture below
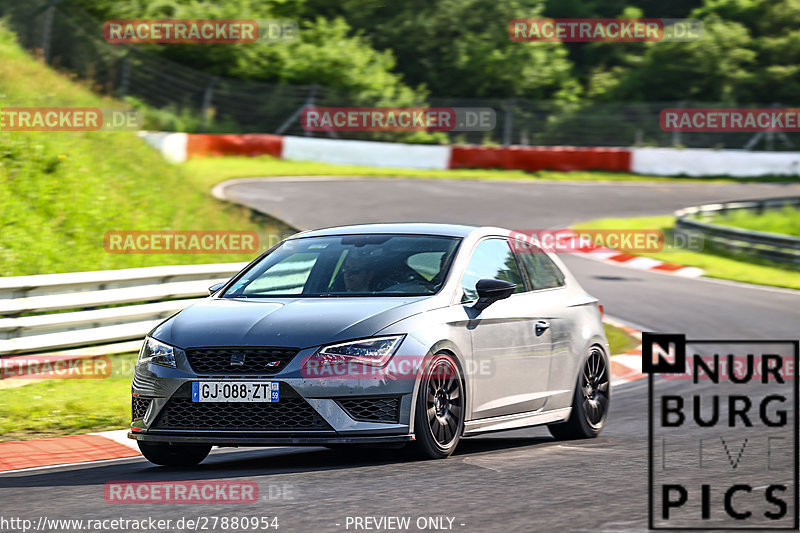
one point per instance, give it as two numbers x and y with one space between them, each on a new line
785 220
619 341
62 191
715 265
35 409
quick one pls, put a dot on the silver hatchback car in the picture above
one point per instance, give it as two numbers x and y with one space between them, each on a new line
407 335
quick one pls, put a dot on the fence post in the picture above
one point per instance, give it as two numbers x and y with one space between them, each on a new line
207 94
507 123
125 75
676 135
47 33
309 103
769 137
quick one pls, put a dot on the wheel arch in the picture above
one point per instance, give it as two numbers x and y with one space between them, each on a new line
448 347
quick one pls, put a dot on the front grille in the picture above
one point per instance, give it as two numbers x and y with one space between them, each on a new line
375 409
139 407
288 414
291 412
256 360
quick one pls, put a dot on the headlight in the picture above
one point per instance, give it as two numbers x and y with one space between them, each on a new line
157 352
373 352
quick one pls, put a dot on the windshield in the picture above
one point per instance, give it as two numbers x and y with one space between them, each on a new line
350 265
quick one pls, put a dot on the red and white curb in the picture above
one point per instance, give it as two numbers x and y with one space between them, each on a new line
610 255
626 367
65 451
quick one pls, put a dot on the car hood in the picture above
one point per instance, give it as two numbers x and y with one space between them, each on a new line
299 323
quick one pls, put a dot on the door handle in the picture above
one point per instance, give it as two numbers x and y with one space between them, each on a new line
541 326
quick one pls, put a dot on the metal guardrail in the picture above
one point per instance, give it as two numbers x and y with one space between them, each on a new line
773 246
141 298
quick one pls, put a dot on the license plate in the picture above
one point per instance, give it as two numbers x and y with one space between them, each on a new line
235 391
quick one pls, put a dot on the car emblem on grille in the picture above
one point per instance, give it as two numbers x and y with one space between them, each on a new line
273 364
237 359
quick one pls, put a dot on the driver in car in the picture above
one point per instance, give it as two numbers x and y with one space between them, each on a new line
356 274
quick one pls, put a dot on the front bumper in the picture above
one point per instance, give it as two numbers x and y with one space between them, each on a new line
327 397
270 440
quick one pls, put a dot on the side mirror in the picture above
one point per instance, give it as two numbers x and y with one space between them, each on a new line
214 288
491 290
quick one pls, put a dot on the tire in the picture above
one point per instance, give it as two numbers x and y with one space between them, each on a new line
440 409
590 402
166 454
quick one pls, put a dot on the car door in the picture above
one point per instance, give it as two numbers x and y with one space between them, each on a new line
549 301
510 352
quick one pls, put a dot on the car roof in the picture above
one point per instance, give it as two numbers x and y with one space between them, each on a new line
416 228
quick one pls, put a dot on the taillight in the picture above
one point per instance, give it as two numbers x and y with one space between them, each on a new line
602 311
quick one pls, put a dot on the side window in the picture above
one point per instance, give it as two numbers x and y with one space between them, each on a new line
426 264
492 259
542 272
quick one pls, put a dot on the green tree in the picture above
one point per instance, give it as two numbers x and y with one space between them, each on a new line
749 53
327 53
461 47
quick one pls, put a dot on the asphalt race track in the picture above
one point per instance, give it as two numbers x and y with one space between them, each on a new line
518 481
